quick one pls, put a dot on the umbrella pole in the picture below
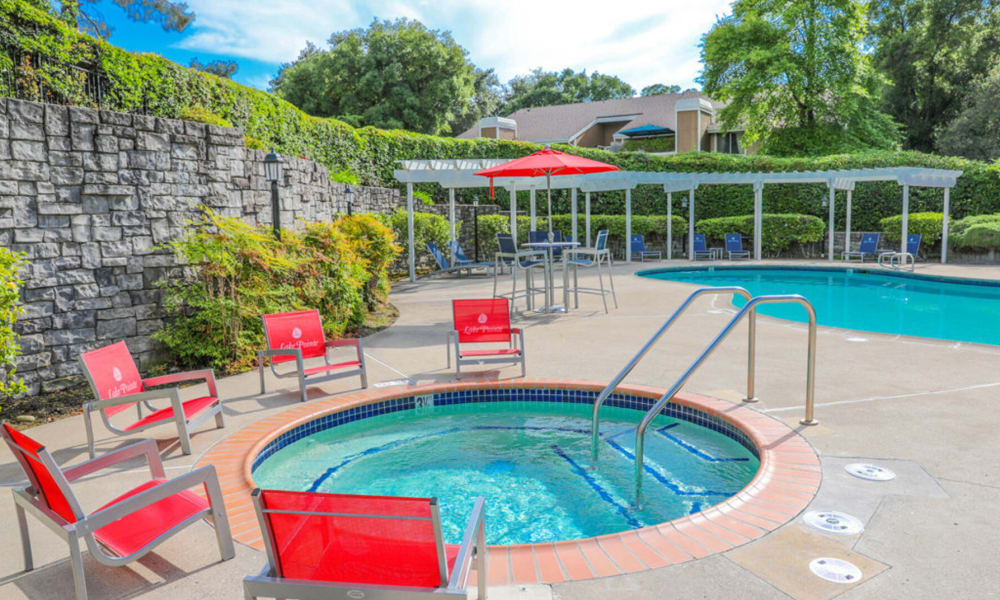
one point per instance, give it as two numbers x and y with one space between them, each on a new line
548 196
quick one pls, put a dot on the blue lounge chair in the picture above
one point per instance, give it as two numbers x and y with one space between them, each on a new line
701 248
447 267
897 259
463 262
638 246
868 247
734 246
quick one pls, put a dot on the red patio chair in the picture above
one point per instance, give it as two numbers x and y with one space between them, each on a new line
322 546
117 386
128 527
298 336
483 321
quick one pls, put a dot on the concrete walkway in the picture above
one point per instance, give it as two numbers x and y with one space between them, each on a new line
926 409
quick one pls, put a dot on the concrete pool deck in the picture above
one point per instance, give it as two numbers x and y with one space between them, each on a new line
924 408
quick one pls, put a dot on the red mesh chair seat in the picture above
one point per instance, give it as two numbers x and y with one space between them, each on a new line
191 408
324 368
495 352
134 531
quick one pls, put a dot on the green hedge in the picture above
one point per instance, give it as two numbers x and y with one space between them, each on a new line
11 264
491 225
149 82
427 227
927 224
778 232
657 144
980 232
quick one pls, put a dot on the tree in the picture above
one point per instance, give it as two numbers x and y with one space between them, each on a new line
172 16
223 68
931 51
796 69
546 88
487 98
658 89
975 131
393 75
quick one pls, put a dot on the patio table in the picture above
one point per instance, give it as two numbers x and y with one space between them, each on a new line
549 247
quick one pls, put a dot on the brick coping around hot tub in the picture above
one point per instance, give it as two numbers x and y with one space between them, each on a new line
785 484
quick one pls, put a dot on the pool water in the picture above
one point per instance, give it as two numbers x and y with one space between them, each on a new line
946 308
528 459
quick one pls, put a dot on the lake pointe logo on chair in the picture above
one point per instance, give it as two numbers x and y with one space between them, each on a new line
482 327
482 318
116 373
296 333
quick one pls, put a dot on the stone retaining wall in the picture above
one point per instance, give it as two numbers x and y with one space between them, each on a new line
90 195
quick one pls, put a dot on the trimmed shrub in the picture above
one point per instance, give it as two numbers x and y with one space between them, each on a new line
927 224
10 309
240 272
778 232
375 244
200 114
977 232
427 227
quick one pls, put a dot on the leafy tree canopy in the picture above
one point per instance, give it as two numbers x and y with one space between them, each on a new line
392 75
799 65
975 132
931 51
222 68
172 16
658 89
546 88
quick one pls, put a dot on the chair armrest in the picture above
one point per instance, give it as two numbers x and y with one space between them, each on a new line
207 375
295 352
516 330
343 342
132 398
149 497
145 447
471 540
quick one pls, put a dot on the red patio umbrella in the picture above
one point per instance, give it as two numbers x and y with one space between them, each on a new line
546 162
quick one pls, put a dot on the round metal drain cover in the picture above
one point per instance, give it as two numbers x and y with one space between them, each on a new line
835 570
870 472
834 522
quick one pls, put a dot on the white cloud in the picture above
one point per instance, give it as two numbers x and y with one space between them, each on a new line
641 41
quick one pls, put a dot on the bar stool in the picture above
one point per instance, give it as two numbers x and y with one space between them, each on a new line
593 258
519 260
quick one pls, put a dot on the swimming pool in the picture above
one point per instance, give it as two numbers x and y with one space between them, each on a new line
527 451
948 308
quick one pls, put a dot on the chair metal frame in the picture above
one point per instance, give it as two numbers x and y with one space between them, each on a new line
300 368
481 359
734 254
27 500
593 258
268 584
184 425
640 250
847 255
524 260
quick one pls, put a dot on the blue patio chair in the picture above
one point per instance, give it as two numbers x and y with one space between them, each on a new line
734 247
701 248
868 247
593 258
638 246
519 260
543 236
439 257
463 262
912 248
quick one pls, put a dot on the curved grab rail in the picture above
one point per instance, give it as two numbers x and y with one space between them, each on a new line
596 420
898 260
747 308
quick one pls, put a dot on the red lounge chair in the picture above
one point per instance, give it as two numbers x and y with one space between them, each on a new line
298 336
117 386
323 546
483 321
128 527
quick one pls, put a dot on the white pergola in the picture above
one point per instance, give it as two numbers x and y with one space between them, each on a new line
453 174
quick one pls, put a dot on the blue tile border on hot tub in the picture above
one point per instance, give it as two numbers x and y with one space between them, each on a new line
491 394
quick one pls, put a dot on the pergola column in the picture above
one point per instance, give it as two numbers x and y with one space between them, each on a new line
944 226
829 242
847 223
451 212
906 217
691 223
572 210
758 218
670 225
409 230
531 196
513 211
586 209
628 225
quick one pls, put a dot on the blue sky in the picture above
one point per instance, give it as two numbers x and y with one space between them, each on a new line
642 42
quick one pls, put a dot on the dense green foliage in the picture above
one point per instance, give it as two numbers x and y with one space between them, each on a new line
242 272
427 227
978 232
778 232
491 225
927 224
932 51
10 309
666 143
975 131
658 89
394 74
200 114
546 88
798 66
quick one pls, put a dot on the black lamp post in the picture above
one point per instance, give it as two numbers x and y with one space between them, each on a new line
350 195
475 224
272 171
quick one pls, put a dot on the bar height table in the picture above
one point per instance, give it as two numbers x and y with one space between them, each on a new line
549 247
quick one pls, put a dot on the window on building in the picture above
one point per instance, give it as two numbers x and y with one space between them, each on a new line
728 143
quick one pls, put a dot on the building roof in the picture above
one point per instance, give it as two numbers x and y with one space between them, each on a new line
563 122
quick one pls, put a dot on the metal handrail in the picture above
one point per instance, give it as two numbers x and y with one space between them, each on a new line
596 420
667 397
900 257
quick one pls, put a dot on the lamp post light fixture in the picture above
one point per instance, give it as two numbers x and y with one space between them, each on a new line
272 171
349 191
475 224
